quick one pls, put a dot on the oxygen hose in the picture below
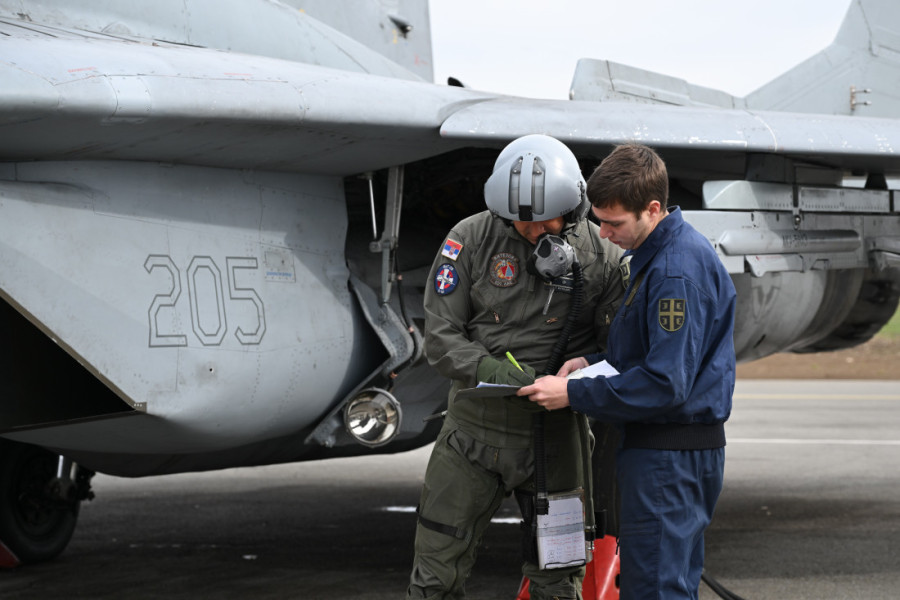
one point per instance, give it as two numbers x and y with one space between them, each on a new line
559 349
542 505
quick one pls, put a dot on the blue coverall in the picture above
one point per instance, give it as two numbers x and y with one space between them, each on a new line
672 342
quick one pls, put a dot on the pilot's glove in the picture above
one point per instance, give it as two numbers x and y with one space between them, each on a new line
492 370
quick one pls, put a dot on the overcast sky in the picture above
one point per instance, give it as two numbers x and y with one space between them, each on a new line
529 47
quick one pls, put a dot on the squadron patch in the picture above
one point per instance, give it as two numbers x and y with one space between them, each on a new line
504 269
446 279
671 313
452 249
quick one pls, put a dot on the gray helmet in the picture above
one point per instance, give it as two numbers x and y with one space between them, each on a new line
536 178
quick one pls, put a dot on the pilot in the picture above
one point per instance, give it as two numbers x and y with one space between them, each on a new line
672 343
481 302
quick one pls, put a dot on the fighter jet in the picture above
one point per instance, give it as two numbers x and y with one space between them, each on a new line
217 217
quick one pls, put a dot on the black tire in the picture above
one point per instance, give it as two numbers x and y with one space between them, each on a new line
33 525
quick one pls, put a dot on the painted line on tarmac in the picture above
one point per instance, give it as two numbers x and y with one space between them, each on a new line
813 441
412 509
782 396
399 509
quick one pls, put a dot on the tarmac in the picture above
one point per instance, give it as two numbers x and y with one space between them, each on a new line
810 510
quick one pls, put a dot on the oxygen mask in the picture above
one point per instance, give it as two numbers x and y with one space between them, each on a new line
552 258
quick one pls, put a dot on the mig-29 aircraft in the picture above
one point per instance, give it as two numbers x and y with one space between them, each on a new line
217 217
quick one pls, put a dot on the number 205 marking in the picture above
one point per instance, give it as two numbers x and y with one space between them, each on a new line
207 335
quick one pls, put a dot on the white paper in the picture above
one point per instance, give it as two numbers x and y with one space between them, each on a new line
600 369
560 533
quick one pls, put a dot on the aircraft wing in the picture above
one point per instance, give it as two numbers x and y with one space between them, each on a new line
73 98
835 141
66 98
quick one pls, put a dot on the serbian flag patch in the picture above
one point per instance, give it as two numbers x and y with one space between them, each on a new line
451 249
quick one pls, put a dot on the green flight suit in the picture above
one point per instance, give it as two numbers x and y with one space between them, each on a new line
480 301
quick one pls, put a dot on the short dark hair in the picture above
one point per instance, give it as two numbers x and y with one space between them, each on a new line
633 175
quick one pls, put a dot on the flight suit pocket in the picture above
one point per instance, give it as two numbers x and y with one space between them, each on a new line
489 301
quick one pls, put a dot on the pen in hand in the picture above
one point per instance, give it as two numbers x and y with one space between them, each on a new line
513 361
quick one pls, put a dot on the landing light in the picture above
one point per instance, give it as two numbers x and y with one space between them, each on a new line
372 417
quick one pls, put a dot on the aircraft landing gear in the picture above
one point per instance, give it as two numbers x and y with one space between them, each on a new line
39 500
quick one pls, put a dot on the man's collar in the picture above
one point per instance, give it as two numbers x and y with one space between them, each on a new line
657 239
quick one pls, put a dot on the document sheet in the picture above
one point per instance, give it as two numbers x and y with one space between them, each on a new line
560 533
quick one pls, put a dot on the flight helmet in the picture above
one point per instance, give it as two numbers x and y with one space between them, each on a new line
536 178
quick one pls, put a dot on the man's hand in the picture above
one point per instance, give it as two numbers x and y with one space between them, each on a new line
550 392
573 364
492 370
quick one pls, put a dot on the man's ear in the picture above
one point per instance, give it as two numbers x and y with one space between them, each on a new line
654 209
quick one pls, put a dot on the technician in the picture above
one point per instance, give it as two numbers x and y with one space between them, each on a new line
481 302
671 341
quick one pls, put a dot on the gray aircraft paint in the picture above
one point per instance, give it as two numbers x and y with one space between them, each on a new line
181 209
